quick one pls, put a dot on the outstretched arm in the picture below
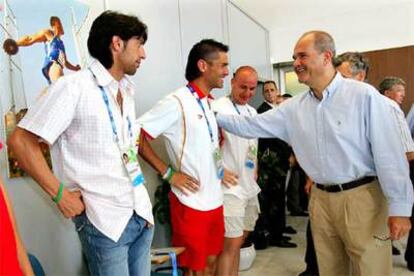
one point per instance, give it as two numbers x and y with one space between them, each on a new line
270 124
28 40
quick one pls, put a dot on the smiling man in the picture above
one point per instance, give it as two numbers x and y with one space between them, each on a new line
241 206
343 141
184 118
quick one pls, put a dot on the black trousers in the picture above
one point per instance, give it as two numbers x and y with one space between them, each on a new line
297 199
409 252
310 255
274 203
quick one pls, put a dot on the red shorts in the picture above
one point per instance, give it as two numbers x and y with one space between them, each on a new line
200 232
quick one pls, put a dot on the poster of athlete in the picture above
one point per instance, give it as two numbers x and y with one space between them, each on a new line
41 41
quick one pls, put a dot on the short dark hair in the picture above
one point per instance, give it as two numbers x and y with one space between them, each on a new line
389 82
206 49
53 20
270 81
109 24
357 62
287 95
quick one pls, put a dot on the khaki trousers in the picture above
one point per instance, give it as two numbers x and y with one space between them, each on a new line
350 231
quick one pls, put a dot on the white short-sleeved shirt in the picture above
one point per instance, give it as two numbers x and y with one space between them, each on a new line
235 149
402 126
166 119
72 117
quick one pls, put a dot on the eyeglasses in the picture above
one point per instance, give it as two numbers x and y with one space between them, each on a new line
382 239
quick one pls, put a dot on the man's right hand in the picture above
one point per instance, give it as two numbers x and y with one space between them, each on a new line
308 185
71 203
230 179
184 183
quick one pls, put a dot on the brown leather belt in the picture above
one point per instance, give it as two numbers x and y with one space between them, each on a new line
346 186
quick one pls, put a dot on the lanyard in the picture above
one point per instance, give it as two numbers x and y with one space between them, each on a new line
110 114
173 263
237 109
210 131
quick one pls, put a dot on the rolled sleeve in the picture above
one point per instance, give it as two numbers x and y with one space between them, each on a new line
52 113
160 118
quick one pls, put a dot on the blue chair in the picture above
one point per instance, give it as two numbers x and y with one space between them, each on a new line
37 267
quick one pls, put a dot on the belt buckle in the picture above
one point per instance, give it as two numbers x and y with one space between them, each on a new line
340 187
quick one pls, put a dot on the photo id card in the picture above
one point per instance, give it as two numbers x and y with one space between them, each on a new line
218 161
130 160
251 157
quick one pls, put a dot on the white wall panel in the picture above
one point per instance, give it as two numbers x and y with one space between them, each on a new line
248 42
162 71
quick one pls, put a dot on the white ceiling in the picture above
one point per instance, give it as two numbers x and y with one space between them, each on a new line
355 24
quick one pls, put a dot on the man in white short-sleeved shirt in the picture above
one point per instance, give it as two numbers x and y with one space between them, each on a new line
186 121
241 206
393 88
87 119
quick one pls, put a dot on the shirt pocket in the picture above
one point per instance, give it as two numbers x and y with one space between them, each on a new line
338 121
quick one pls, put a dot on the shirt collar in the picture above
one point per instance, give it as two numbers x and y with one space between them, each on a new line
270 104
105 79
332 86
200 93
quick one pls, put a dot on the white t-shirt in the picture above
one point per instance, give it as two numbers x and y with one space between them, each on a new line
196 152
235 149
72 117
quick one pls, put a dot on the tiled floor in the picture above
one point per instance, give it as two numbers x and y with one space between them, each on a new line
289 262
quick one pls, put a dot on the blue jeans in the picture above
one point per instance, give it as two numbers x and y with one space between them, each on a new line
129 256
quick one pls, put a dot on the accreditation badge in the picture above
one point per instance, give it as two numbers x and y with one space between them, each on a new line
130 160
218 161
251 157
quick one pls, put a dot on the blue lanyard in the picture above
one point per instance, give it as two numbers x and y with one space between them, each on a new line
111 116
173 263
237 109
210 131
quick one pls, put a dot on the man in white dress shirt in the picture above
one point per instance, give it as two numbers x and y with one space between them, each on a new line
87 118
343 141
393 88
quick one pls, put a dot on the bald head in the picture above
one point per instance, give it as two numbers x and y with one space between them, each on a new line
243 84
245 70
322 41
313 60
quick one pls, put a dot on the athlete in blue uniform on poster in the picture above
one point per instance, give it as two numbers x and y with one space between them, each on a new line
55 59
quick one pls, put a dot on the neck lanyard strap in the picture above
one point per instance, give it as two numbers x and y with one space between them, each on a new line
110 114
210 131
237 109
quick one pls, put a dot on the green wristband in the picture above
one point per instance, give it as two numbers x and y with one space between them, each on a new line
58 197
169 177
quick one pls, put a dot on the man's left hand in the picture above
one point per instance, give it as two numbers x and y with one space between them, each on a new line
399 227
